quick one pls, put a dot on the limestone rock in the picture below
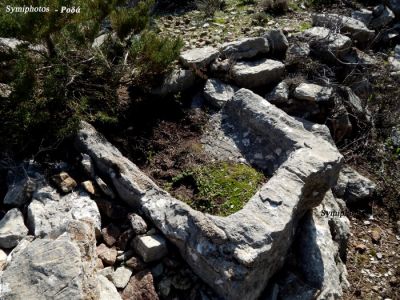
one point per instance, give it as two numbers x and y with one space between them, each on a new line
313 92
353 187
394 5
382 16
150 247
3 260
249 243
179 80
107 255
139 225
279 95
317 261
251 74
120 277
140 287
5 90
88 187
107 289
12 229
110 234
22 181
200 57
64 182
395 137
218 93
136 264
277 41
49 211
245 48
354 28
363 15
327 43
52 269
298 52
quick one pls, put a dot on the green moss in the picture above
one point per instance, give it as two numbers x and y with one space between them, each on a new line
221 188
304 26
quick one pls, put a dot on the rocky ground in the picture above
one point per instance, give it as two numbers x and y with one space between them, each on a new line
287 95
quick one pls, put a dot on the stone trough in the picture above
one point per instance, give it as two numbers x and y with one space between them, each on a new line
238 254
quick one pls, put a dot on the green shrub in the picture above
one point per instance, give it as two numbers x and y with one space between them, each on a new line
125 20
153 54
274 6
210 7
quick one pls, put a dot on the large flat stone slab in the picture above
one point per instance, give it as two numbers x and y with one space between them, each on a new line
238 254
252 74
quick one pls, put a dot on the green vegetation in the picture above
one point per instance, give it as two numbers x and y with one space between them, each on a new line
220 188
210 7
69 80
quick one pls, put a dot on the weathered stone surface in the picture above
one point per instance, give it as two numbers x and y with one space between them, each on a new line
49 211
3 260
107 290
353 187
52 269
395 60
110 234
382 16
107 255
101 40
245 48
362 15
217 93
12 229
22 181
313 92
395 137
200 57
120 277
316 261
8 46
327 43
355 106
140 287
87 165
138 225
135 264
104 187
88 187
179 80
280 94
5 90
64 182
150 247
251 74
277 41
298 52
355 28
255 239
394 5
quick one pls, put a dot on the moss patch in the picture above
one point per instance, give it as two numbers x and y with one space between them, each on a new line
218 188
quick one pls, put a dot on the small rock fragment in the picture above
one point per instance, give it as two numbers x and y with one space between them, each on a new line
64 182
136 264
107 255
121 277
139 225
12 229
150 247
376 235
361 248
88 186
107 289
110 234
140 287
